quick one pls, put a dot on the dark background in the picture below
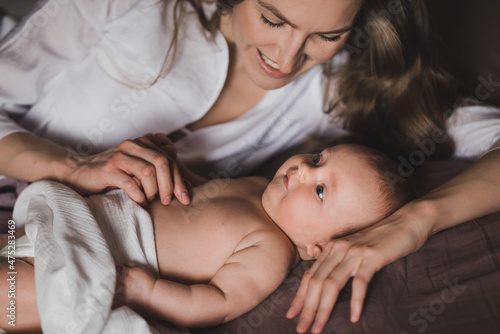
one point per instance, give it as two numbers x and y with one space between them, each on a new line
17 7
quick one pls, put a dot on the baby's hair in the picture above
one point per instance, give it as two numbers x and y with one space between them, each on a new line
393 195
396 193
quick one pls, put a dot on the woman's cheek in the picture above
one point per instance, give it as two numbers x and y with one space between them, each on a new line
325 51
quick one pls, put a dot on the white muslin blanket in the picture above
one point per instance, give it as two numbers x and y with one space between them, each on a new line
77 242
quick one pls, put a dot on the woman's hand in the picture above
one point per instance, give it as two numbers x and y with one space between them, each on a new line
359 255
141 167
134 286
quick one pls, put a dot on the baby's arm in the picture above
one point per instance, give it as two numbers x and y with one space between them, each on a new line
250 275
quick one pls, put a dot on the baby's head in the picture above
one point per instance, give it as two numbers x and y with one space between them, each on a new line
316 197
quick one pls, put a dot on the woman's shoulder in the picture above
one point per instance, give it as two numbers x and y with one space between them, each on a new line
475 129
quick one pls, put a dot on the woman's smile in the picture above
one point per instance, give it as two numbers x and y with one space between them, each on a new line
269 67
268 61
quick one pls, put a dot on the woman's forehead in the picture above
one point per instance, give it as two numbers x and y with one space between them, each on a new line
325 15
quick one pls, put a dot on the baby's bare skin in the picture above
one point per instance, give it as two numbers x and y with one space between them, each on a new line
223 248
193 242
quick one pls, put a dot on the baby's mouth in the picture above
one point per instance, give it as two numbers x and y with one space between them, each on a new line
286 179
269 61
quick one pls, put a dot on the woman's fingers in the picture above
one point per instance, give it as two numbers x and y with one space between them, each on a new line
360 256
180 189
143 168
333 284
300 296
322 287
332 280
129 185
360 283
148 165
302 292
165 145
159 173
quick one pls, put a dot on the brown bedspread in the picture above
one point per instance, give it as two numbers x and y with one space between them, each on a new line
9 190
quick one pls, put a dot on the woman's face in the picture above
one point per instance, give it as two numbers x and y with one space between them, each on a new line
277 40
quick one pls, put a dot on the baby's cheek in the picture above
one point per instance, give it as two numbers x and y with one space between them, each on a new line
288 210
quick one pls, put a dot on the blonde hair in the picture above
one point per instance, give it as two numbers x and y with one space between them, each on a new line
392 91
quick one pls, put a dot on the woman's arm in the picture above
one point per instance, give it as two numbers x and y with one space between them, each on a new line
29 58
141 167
473 193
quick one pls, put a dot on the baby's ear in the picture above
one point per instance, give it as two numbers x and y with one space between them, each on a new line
315 251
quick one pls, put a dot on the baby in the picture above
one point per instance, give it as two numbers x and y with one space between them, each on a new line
237 240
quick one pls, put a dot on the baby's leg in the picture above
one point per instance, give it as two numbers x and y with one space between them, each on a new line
18 298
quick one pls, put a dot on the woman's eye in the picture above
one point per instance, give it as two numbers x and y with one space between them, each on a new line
330 39
270 23
319 191
316 160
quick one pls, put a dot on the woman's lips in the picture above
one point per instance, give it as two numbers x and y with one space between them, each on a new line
271 71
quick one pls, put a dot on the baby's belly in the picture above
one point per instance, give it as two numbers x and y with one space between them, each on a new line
191 243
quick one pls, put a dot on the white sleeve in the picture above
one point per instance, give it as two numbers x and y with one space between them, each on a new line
54 35
475 130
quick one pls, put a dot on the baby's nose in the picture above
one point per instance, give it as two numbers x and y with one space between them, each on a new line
302 172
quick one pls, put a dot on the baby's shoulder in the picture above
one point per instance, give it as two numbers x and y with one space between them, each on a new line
269 240
251 182
247 189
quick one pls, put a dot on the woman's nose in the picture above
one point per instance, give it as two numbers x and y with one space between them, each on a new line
291 49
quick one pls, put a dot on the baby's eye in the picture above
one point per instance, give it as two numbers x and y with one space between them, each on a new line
319 191
316 160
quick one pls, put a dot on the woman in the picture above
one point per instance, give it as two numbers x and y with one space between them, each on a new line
231 87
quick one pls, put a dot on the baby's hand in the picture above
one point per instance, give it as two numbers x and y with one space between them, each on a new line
134 286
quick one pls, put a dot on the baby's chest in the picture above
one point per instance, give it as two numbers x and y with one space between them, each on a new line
194 243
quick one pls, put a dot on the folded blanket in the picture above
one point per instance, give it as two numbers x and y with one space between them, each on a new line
77 242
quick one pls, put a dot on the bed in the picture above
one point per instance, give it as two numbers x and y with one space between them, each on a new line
452 284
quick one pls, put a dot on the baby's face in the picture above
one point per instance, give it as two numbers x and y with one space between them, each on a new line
313 198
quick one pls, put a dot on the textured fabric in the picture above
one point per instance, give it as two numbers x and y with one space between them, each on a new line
475 130
23 248
77 242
